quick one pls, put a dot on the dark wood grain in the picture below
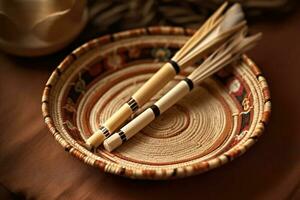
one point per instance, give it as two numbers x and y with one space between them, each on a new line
33 164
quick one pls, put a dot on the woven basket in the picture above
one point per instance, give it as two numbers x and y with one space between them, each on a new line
217 122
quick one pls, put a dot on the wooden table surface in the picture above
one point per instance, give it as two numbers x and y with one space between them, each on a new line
33 165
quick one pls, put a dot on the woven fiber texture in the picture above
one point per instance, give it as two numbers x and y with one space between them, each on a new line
217 122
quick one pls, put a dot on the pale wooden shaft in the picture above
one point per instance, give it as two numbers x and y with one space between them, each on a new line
171 97
142 120
149 89
118 118
129 129
168 100
112 142
154 84
204 40
95 140
138 123
114 122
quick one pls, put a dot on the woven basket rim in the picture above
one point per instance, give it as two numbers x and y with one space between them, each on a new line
203 166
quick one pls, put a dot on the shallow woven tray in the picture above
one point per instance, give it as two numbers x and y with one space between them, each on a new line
217 122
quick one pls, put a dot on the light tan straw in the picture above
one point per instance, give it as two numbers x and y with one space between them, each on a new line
94 81
217 29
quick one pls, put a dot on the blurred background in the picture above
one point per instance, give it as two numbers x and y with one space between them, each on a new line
108 16
272 165
41 27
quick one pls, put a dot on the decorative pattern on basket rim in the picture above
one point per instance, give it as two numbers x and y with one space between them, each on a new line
151 174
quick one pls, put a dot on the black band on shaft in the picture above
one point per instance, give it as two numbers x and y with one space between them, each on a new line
105 131
122 136
175 66
155 110
190 83
133 104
